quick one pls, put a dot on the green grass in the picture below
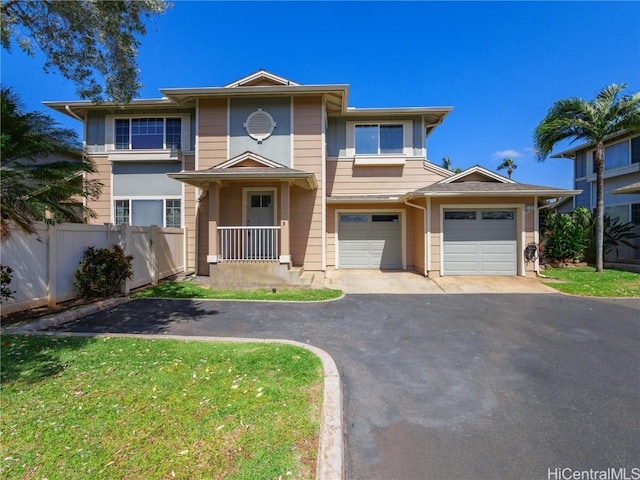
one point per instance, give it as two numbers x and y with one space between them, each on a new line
186 289
585 281
77 408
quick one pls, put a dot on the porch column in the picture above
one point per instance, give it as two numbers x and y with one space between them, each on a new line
214 216
285 252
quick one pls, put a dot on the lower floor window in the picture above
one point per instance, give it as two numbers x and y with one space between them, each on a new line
172 213
621 212
146 212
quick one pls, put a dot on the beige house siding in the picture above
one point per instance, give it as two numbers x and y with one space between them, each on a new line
102 205
202 221
190 214
482 202
343 178
415 240
306 206
212 132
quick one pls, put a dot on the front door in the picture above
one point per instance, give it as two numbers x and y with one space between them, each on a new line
260 213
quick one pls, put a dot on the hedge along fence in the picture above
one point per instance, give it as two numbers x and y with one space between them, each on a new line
43 264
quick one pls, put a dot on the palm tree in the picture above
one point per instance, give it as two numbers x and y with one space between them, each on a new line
446 164
41 169
509 164
593 122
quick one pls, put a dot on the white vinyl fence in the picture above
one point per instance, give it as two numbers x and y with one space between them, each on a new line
43 264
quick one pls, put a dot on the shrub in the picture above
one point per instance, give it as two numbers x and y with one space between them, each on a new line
616 235
566 237
5 280
102 271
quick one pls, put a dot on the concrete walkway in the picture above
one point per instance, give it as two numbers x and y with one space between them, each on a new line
403 282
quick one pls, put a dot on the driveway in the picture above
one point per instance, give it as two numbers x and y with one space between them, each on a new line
406 282
451 387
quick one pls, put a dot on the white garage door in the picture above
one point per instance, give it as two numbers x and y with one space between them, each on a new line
480 242
369 240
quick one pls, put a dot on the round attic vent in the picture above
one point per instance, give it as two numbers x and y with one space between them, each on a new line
259 125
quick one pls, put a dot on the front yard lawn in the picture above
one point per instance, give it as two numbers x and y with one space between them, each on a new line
129 408
186 289
585 281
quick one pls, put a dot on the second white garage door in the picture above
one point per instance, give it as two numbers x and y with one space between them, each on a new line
369 240
480 242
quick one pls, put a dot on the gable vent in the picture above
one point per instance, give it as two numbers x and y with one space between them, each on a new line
260 125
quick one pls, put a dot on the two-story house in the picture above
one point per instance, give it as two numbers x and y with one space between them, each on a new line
272 178
621 193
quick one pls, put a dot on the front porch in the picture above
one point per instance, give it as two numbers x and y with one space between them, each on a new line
250 257
243 222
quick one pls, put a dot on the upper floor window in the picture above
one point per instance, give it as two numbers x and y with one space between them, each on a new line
620 154
379 139
148 133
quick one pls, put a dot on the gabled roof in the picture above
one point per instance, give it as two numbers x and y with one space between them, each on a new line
245 157
491 184
261 78
477 170
256 167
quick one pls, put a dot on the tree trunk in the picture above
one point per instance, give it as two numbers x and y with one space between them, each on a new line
599 160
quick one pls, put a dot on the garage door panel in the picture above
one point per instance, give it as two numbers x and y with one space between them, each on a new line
506 248
461 248
462 267
369 244
480 242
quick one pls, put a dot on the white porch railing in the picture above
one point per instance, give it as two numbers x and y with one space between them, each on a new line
248 243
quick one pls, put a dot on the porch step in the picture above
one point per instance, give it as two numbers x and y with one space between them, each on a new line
297 276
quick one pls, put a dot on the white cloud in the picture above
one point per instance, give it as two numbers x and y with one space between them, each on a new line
509 153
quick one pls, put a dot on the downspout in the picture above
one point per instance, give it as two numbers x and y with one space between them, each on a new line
424 236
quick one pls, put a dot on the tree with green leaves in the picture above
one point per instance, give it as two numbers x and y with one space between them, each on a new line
41 170
592 121
84 40
509 165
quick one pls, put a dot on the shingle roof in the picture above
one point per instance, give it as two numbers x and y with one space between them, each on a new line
490 188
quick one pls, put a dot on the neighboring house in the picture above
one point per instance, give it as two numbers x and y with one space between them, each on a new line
621 181
272 178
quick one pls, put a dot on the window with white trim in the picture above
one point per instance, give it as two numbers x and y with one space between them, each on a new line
148 133
377 139
166 212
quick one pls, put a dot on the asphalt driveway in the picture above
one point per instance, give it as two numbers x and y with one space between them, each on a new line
451 387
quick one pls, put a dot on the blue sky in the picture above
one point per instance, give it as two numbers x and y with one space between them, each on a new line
500 65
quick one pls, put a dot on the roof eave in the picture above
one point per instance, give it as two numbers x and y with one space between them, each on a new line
522 193
365 199
304 180
182 95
